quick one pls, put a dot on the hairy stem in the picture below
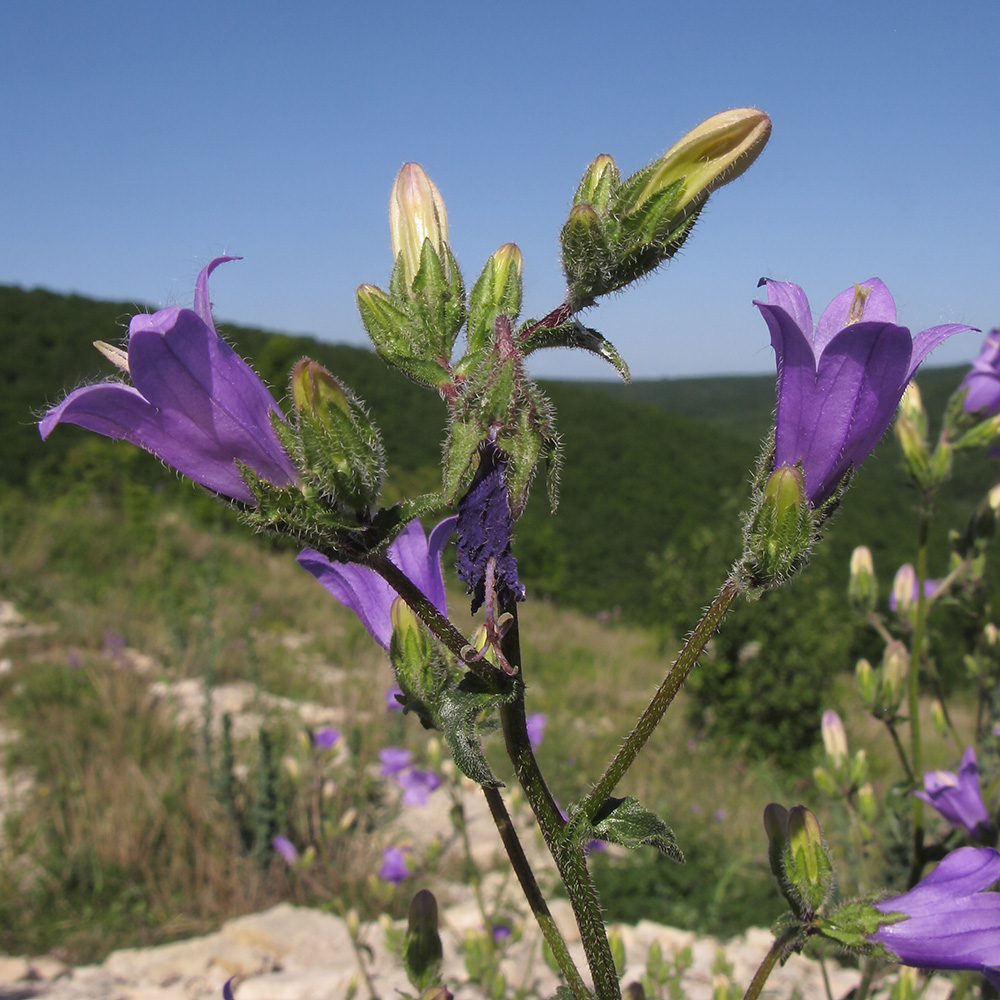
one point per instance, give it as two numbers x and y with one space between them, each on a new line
768 964
650 718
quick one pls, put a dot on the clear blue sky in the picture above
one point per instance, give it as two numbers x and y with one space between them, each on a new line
141 139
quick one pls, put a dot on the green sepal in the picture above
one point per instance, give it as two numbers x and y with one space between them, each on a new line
575 334
387 323
438 297
849 925
419 667
980 435
587 255
626 822
461 711
464 437
657 219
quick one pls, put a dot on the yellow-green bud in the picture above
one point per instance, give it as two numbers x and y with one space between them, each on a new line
825 781
865 677
904 589
834 738
862 588
314 389
416 214
895 668
859 767
916 452
990 634
597 183
807 861
867 806
712 154
939 719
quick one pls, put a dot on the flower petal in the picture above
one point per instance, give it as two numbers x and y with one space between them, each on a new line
925 342
420 558
202 304
879 308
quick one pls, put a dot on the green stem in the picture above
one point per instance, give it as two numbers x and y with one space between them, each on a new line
650 718
867 975
916 658
900 751
439 625
568 856
533 894
770 960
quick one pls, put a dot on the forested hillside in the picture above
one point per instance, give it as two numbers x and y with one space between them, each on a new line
654 477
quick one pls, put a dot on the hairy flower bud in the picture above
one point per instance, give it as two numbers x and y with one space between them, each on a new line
416 214
807 860
894 671
597 184
710 155
865 677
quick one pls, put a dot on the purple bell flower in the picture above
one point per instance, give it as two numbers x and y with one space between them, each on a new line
535 724
285 848
325 738
417 785
194 402
363 591
839 383
983 380
394 759
953 923
394 867
957 797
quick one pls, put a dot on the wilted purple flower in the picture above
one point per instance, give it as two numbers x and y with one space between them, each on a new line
196 404
417 785
363 591
285 848
484 529
840 382
394 867
957 797
983 380
325 738
952 923
536 729
394 759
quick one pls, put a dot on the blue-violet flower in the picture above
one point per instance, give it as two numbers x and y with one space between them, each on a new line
394 867
952 923
194 402
957 796
363 591
983 380
839 383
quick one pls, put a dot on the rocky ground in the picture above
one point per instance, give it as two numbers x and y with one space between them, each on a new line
296 953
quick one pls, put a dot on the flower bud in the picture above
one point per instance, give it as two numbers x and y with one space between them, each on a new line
779 537
939 719
807 861
916 451
867 806
597 183
776 828
315 389
834 738
825 781
894 671
422 947
859 767
497 292
712 154
862 588
865 677
904 590
416 214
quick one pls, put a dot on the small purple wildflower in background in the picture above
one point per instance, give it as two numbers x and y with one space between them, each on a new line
721 815
392 703
501 931
417 785
363 591
904 588
957 797
325 738
536 729
953 923
194 402
227 989
394 867
983 381
839 383
394 759
484 530
285 848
